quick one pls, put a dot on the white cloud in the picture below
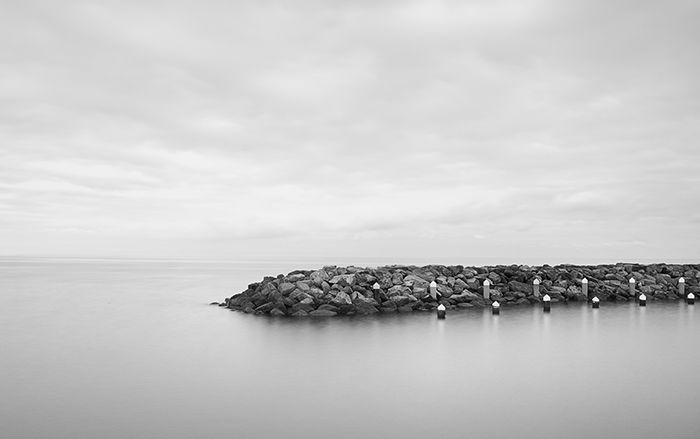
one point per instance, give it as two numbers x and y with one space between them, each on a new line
410 128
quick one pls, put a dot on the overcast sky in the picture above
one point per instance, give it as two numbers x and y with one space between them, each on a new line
526 131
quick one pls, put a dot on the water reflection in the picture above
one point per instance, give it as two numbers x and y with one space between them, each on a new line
125 351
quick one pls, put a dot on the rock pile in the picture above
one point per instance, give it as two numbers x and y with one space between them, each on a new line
350 290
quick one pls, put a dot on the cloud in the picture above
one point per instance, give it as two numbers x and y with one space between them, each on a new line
413 128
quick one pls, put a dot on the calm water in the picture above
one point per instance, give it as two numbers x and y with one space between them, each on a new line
131 349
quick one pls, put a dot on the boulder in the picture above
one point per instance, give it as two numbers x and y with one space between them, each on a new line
521 287
343 280
342 298
286 287
318 277
322 313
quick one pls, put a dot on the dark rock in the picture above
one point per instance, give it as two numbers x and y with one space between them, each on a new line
322 313
349 290
286 288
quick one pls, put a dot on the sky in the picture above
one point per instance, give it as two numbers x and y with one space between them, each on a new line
522 131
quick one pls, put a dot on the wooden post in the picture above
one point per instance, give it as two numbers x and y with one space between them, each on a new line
375 292
632 285
584 287
495 308
536 287
690 300
642 300
441 311
433 290
546 305
487 292
681 287
595 302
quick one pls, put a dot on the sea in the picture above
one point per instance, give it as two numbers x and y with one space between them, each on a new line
106 348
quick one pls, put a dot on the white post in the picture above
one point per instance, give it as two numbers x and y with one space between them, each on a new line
433 290
584 287
632 284
495 308
596 302
487 292
441 311
546 303
642 300
681 287
536 287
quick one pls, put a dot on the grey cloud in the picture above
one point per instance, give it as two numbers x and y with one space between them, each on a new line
530 123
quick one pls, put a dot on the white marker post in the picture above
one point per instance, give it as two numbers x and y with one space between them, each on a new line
595 302
433 290
690 300
487 292
495 308
642 300
584 287
546 305
536 287
681 287
441 311
632 285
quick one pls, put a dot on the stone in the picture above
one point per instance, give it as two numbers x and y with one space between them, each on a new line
295 277
444 291
343 280
322 313
318 277
400 300
286 287
265 308
521 287
315 292
459 286
495 278
299 295
342 298
404 288
473 284
306 307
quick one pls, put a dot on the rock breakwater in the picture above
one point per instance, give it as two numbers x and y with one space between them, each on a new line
353 290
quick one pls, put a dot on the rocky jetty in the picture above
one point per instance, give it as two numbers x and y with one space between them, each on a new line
353 290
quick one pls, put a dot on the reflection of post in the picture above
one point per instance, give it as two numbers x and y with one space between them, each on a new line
487 292
595 302
496 308
584 287
632 284
433 290
536 287
681 287
546 305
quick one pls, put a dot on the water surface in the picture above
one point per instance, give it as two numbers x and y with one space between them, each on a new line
115 349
